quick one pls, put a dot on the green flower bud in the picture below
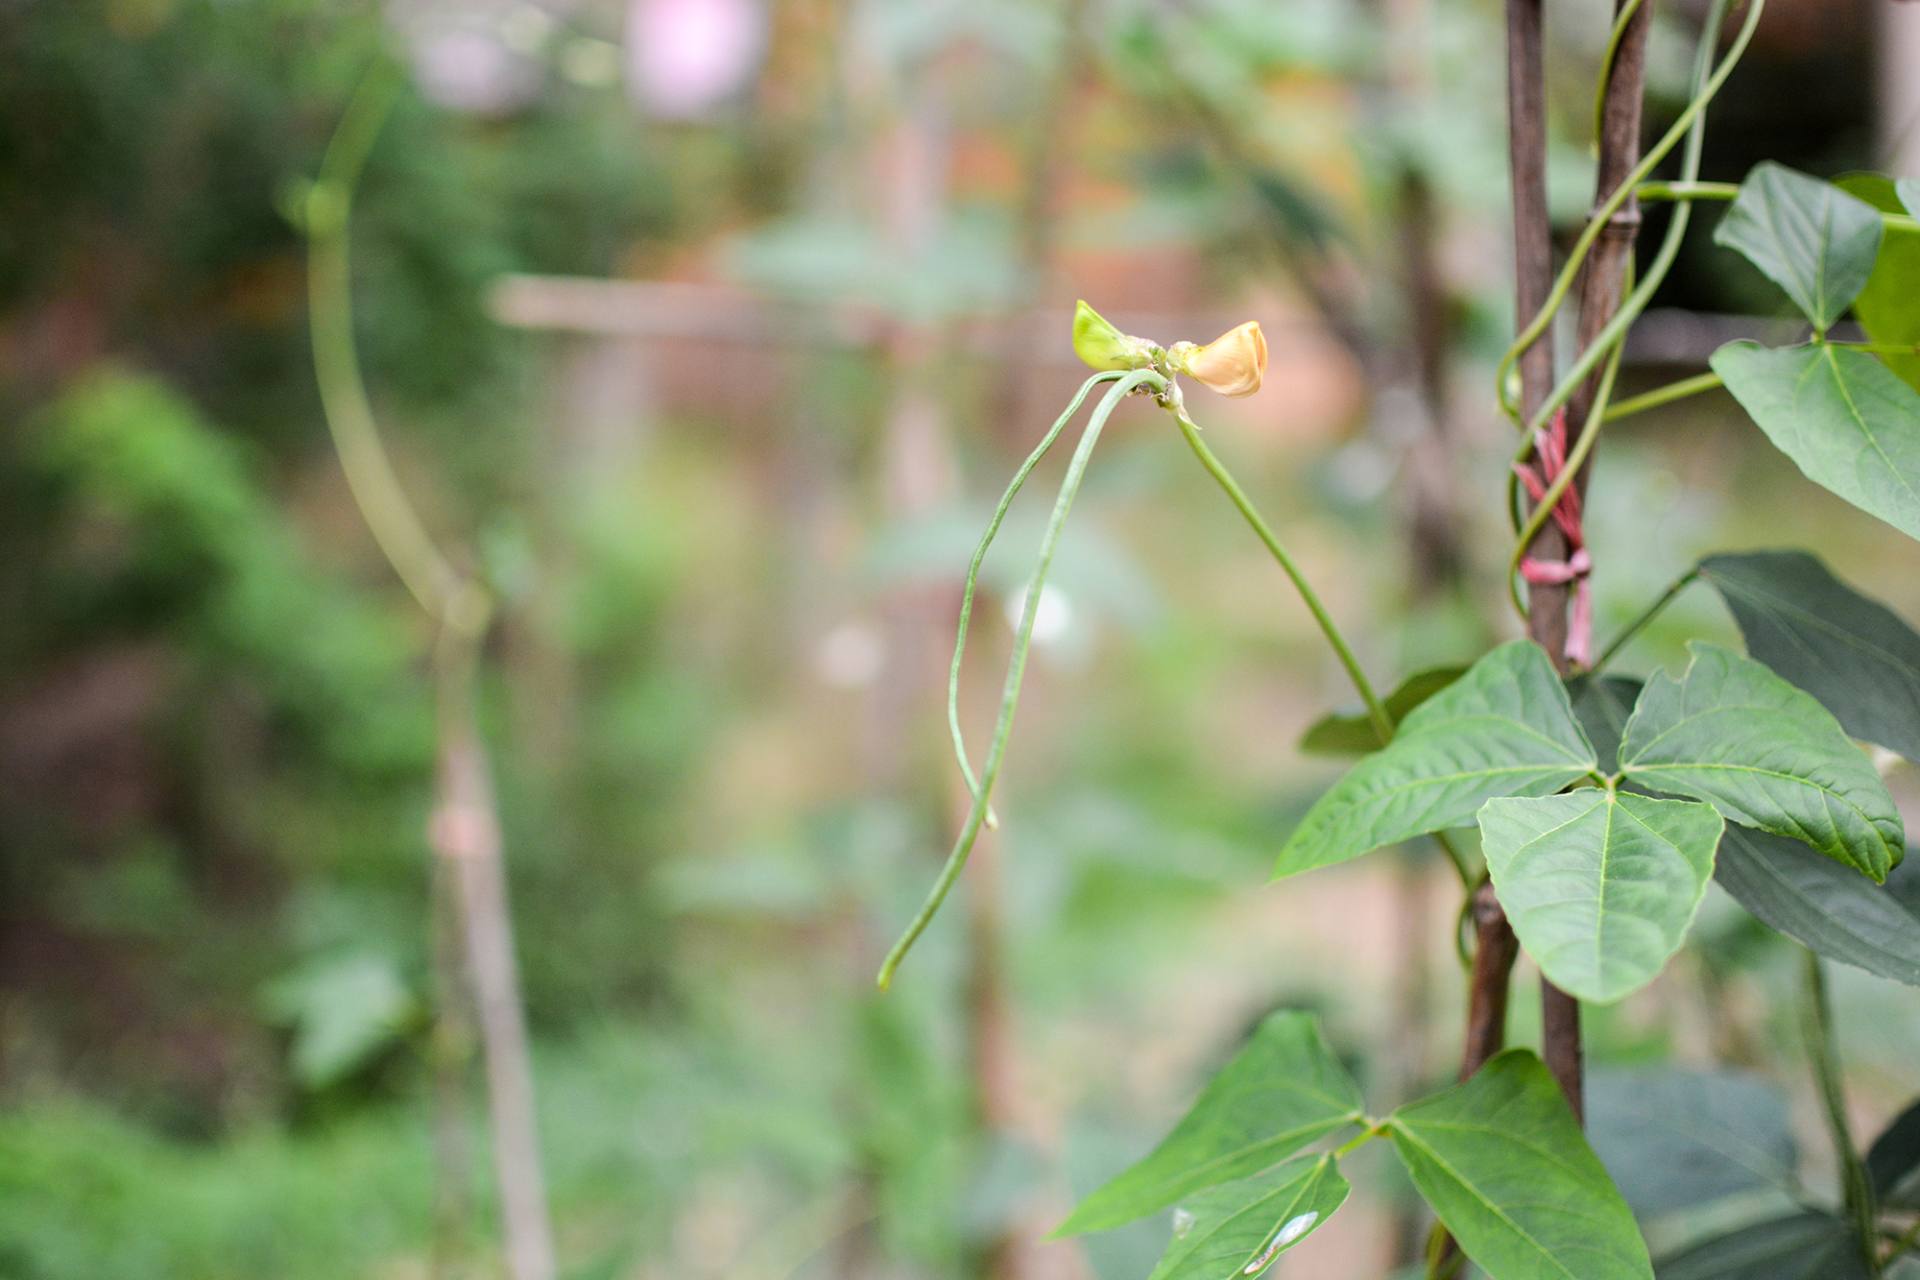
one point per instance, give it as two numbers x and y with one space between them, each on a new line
1101 346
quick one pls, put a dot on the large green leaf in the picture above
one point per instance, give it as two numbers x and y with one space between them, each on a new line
1736 735
1600 886
1849 423
1893 1162
1282 1091
1852 653
1811 238
1886 307
1806 1246
1238 1228
1503 1163
1350 733
1673 1139
1505 728
1827 907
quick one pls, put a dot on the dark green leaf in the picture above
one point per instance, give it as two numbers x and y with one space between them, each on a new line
1811 238
1736 735
1504 1165
1284 1090
1844 418
1603 705
1886 307
1238 1228
1673 1139
1829 908
1600 887
1505 728
1348 733
1852 653
1807 1246
1893 1161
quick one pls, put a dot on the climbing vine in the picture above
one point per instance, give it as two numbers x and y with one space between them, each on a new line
1604 803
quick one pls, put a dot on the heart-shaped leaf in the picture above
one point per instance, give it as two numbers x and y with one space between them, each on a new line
1885 307
1764 753
1673 1139
1826 907
1600 887
1848 422
1806 1246
1237 1229
1504 1165
1349 733
1282 1091
1811 238
1852 653
1505 728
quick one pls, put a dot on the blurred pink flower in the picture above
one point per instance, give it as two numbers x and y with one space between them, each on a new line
687 57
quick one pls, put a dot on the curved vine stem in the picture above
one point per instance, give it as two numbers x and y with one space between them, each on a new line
1376 711
429 576
1686 126
1647 615
1620 23
465 832
1016 671
1823 1052
1663 396
973 575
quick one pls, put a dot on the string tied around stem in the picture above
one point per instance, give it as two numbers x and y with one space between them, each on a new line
1550 460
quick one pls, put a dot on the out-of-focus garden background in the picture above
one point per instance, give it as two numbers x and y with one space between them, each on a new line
704 332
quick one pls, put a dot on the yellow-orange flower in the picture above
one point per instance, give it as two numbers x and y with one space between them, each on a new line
1233 364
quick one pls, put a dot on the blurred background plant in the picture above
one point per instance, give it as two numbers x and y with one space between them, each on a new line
707 328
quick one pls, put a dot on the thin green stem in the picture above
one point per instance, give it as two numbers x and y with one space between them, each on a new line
1904 1242
1607 58
1016 670
1857 1188
1730 191
429 576
1374 1129
1376 711
1685 126
980 555
1665 395
1647 615
1688 190
1377 714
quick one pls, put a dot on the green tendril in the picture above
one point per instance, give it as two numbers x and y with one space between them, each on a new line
1607 59
973 575
1016 670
